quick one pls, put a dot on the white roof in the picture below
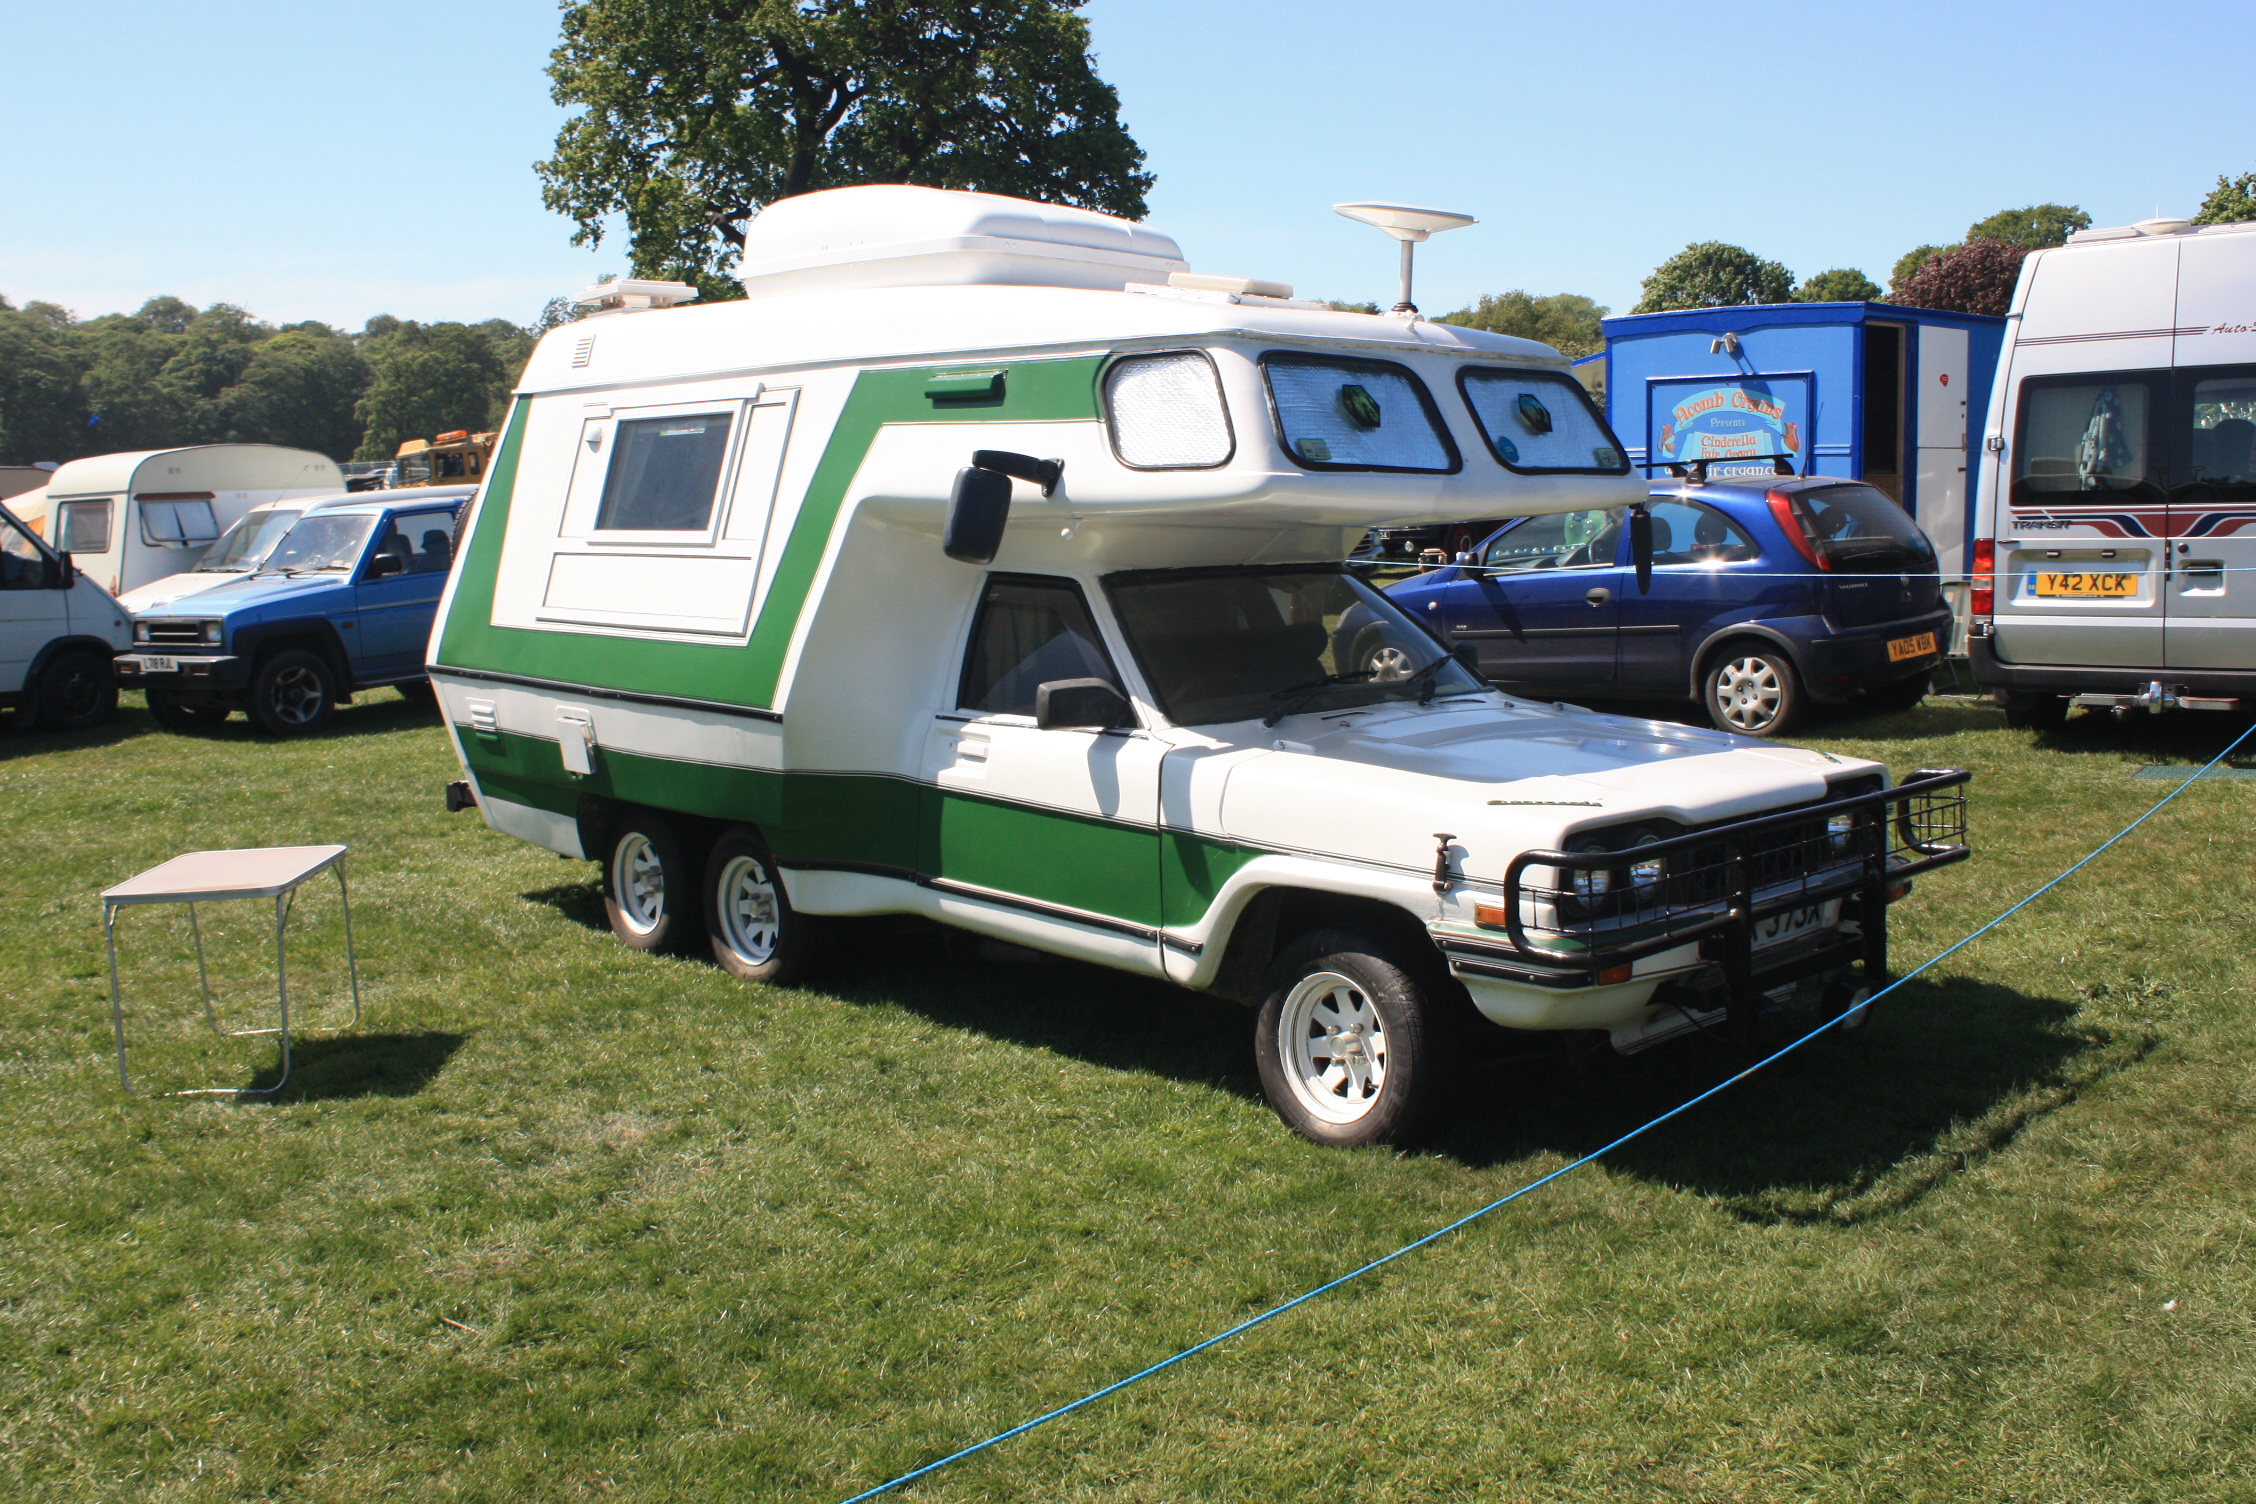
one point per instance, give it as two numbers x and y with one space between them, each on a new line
198 467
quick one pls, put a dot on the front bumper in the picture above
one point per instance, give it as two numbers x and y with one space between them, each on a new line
189 673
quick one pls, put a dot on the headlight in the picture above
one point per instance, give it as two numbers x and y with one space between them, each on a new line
140 631
1840 830
211 631
1646 873
1587 883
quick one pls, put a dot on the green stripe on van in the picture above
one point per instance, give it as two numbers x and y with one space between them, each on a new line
1034 391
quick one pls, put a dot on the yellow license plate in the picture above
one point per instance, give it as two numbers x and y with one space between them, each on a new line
1911 647
2081 582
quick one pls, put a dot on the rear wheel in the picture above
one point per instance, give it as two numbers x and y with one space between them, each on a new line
649 885
76 692
2037 712
1351 1050
293 693
755 932
1753 690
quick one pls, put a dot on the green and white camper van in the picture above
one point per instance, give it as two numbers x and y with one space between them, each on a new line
984 564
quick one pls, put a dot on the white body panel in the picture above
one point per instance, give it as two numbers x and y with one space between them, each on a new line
1940 465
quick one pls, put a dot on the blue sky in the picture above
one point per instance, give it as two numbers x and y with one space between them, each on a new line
335 162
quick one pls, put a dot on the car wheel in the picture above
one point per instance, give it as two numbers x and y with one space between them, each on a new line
1350 1049
77 691
755 932
1386 662
1754 691
649 883
2037 712
1904 694
293 693
170 711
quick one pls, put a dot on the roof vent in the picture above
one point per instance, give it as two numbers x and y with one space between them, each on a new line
892 235
2163 225
630 294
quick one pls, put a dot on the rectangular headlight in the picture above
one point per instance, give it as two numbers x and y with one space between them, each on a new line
211 631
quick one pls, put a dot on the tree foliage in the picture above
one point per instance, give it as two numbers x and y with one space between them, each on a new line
431 378
1840 285
2231 202
696 113
1566 321
1976 277
1710 274
2032 228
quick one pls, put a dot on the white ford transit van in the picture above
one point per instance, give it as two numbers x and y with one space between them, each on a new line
58 633
984 564
2115 551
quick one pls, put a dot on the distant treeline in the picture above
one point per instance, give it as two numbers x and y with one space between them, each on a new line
169 375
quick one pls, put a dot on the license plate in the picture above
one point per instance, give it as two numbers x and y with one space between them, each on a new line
2059 582
159 665
1911 647
1780 928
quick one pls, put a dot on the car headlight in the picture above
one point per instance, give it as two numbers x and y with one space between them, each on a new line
1588 883
140 631
211 631
1648 872
1840 830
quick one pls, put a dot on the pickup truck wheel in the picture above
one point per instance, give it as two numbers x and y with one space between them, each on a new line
755 932
76 692
293 693
1753 690
173 713
647 883
1350 1049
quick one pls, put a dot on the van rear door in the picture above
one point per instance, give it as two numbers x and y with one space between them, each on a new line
2212 575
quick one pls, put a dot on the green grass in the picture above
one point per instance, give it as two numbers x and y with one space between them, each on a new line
561 1221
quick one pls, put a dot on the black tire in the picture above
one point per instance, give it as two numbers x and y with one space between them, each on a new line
755 932
1336 1098
2037 712
1752 689
1904 694
293 693
77 691
175 714
649 883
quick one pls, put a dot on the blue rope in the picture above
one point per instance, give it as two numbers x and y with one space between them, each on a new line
1441 1232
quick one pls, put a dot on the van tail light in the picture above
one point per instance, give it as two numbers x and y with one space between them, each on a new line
1984 594
1789 517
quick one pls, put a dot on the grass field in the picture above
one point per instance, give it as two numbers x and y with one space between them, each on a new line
563 1222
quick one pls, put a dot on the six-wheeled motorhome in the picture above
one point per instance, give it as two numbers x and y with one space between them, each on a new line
2115 554
128 519
985 564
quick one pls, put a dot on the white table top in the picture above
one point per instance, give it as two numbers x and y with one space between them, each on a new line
197 876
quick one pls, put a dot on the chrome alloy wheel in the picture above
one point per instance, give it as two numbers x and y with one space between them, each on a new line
1332 1047
750 910
638 883
297 695
1389 664
1748 692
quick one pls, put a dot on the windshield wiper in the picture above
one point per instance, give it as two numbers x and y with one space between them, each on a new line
1291 698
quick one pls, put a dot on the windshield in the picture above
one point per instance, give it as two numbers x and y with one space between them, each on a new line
246 545
1246 645
1857 525
322 541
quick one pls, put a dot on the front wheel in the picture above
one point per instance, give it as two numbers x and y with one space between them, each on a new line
755 932
1351 1050
293 693
1754 691
76 692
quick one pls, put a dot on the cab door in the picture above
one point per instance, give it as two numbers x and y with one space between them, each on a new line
34 608
1542 604
398 592
1705 568
2210 590
1060 825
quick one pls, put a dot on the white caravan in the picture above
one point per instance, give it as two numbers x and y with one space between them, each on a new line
128 519
2115 553
984 564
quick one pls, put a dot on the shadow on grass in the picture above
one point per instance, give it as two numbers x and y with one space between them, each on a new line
386 711
356 1065
581 902
2190 737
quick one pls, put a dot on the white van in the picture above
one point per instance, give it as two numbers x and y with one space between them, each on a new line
986 565
2115 551
58 632
128 519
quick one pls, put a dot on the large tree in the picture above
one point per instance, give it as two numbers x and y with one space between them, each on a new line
1566 321
2230 202
1976 277
429 379
2032 228
42 412
1711 274
1843 284
300 389
696 113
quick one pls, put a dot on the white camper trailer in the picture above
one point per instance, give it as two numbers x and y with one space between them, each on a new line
986 565
2115 551
128 519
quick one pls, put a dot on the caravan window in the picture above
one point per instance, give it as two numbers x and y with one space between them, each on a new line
2085 434
665 474
83 527
2224 436
1540 422
1335 413
186 523
1166 412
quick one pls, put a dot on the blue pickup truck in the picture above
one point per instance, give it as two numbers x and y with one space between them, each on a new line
343 603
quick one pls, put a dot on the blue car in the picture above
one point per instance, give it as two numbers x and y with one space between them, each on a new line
344 602
1767 593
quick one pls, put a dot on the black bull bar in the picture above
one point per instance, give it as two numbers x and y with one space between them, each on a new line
1582 918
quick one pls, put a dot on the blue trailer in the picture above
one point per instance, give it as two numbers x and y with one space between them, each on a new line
1869 391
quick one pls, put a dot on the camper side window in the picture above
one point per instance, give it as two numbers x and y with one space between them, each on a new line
2084 434
178 524
83 527
2224 436
665 474
1030 632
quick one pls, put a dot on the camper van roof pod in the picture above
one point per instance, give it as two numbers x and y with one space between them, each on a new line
628 294
889 235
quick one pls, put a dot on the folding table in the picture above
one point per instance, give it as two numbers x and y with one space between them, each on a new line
274 872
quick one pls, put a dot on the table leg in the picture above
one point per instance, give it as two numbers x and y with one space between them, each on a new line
202 979
352 967
117 1013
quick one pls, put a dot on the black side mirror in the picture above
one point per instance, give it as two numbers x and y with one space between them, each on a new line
1641 546
977 510
1081 705
64 572
384 566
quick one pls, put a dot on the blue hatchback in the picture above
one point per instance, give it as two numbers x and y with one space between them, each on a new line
1767 593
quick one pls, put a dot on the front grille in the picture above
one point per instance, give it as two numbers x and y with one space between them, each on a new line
186 634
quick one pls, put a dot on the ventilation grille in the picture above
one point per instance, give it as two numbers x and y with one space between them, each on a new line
583 352
483 718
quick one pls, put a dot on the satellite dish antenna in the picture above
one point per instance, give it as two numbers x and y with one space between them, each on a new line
1409 224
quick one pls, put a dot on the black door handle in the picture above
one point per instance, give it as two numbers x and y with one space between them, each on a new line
1598 595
